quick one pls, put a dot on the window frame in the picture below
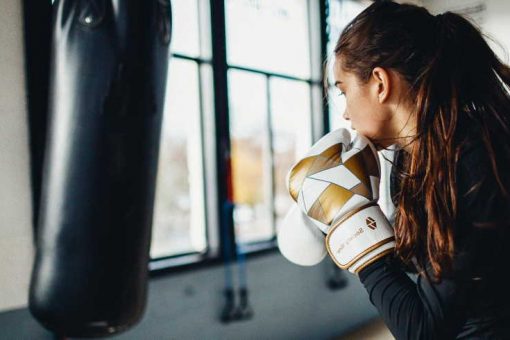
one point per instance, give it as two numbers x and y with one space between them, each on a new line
317 19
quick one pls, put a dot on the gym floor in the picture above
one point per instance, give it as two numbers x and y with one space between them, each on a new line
374 330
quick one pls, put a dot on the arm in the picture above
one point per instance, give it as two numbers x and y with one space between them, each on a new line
421 310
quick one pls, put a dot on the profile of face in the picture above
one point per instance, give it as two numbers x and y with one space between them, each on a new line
369 106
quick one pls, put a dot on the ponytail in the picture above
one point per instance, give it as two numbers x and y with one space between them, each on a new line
457 83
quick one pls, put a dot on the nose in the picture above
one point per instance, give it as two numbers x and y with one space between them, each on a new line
346 116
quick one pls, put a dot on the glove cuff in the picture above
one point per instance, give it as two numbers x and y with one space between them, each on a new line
360 238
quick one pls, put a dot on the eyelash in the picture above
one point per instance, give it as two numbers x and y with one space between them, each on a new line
340 93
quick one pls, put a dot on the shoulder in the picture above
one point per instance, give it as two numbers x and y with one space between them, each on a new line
476 164
473 168
482 226
482 167
480 198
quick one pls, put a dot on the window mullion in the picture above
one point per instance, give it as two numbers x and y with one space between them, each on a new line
324 15
269 164
220 84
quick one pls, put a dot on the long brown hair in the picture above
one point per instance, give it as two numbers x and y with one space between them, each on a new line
456 82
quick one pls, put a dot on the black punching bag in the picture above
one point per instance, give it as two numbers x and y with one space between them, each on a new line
107 87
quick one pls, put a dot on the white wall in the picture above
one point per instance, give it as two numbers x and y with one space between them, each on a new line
15 201
493 18
497 25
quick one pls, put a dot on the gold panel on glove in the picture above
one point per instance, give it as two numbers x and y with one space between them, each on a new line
325 208
309 166
363 165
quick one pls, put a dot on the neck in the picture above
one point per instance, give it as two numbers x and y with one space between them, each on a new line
404 128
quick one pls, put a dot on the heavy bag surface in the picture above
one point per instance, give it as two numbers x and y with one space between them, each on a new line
108 75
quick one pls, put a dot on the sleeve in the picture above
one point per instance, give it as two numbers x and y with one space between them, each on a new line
421 310
426 309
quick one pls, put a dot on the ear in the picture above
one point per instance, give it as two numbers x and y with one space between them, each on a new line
382 83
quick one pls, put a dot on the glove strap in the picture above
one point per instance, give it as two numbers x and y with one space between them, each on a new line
364 234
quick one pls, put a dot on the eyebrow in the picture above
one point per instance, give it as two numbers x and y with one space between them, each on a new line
337 82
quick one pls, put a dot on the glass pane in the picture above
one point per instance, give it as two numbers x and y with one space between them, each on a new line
341 12
270 35
336 105
250 156
291 128
185 34
179 223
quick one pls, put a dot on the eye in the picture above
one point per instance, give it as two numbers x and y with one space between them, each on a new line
339 92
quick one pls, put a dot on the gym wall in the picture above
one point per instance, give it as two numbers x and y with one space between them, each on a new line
16 249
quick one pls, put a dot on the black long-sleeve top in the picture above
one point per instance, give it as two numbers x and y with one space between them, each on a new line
473 301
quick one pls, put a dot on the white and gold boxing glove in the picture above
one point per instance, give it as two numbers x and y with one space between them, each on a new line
336 187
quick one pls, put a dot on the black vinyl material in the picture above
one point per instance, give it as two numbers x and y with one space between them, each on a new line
108 75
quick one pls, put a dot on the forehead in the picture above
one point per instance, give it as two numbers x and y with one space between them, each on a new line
340 74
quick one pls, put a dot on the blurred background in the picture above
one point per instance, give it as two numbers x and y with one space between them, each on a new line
245 99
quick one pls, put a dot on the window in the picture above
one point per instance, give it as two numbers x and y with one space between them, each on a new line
340 13
180 209
271 36
274 99
275 110
291 136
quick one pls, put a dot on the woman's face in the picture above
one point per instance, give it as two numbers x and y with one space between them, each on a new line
364 109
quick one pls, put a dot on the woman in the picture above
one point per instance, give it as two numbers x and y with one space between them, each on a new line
432 86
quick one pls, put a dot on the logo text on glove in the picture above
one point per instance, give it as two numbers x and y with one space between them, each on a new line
370 223
346 243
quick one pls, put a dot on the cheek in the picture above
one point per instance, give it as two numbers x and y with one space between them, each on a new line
361 115
355 107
